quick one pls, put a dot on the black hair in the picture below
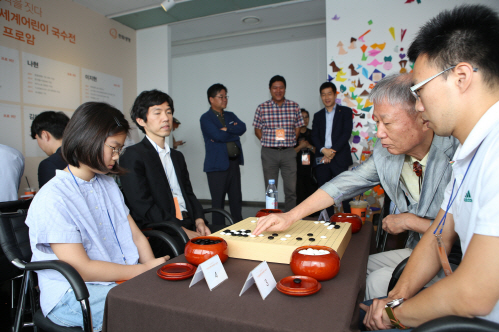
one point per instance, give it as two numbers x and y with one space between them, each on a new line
51 121
304 110
468 33
145 100
83 140
326 85
277 78
214 90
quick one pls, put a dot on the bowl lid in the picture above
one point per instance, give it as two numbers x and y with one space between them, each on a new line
298 284
176 270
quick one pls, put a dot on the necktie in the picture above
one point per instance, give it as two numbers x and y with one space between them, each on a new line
418 169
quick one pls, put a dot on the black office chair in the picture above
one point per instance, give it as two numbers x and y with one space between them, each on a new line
458 324
174 228
14 240
8 272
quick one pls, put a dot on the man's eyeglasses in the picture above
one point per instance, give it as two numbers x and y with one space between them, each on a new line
223 97
118 151
415 88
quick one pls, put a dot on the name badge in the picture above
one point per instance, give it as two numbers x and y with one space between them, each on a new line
279 134
212 270
264 279
305 159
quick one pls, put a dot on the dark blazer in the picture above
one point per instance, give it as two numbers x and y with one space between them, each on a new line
47 167
342 130
146 188
215 140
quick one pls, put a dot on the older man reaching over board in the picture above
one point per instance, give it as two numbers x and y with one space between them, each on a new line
409 161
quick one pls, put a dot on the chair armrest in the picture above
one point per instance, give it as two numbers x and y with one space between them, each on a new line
170 225
226 214
165 238
396 274
458 324
69 272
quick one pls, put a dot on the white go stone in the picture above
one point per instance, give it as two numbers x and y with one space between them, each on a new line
260 235
330 227
316 222
283 239
287 235
251 235
322 222
253 221
327 224
323 237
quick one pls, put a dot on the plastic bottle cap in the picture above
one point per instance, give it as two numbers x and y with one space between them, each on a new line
272 181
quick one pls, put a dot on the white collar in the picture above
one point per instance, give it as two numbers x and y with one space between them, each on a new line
158 148
488 122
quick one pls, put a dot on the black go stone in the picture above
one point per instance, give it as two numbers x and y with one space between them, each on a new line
270 237
299 238
333 222
275 234
297 281
310 234
311 239
336 226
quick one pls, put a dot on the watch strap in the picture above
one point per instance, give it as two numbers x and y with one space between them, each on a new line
393 319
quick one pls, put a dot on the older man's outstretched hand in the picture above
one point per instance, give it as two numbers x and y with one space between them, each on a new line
273 223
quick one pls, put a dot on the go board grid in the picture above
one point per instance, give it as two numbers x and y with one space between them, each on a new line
279 251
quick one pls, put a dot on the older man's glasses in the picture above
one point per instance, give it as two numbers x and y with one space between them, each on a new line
116 151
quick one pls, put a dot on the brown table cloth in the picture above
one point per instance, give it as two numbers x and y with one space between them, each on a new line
149 303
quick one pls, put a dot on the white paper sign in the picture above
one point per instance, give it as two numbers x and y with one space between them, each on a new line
264 279
212 270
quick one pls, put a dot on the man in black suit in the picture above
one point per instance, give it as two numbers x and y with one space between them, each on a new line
157 186
47 128
331 130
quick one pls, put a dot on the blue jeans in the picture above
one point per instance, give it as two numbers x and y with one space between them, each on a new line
68 311
363 314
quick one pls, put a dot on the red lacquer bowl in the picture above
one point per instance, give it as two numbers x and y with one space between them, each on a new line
199 253
266 212
354 219
322 267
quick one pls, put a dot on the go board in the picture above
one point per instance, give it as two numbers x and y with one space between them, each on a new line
278 248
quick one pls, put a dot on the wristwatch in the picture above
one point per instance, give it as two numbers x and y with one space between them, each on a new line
391 314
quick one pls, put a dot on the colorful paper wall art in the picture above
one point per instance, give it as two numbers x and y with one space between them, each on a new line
356 68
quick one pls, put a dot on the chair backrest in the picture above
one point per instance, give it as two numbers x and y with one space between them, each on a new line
14 236
13 206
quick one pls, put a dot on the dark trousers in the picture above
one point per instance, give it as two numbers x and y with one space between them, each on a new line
306 184
325 173
226 183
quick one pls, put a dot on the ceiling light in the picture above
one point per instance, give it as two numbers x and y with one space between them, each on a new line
251 20
168 4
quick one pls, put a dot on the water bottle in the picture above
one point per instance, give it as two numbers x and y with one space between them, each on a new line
271 195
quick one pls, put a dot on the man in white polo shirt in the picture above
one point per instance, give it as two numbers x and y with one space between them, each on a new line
456 82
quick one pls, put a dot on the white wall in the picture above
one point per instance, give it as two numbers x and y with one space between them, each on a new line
153 65
246 73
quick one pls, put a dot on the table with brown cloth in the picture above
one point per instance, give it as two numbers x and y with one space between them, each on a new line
149 303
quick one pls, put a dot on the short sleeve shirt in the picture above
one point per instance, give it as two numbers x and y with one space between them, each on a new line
269 117
474 209
92 213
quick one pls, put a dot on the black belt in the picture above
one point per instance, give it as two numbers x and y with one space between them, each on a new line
234 158
185 215
281 148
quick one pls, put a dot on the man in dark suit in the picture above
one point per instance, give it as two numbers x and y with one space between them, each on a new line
157 186
221 132
47 128
331 130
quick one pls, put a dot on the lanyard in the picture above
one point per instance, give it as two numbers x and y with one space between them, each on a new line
109 216
438 234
